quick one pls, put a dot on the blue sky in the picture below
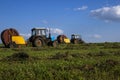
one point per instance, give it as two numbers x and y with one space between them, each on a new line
94 20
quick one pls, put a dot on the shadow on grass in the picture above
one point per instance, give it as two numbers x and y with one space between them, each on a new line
21 56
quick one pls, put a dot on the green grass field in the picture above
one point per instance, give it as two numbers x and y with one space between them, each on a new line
98 61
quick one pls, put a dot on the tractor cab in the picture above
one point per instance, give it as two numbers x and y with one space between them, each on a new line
39 32
75 36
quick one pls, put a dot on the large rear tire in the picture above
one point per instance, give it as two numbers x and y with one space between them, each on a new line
38 42
76 41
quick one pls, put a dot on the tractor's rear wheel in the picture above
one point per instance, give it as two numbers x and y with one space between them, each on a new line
38 42
76 41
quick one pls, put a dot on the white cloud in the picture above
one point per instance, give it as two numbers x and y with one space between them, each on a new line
56 31
44 21
26 35
107 13
96 36
80 8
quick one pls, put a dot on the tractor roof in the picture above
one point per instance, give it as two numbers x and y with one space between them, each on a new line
75 35
38 28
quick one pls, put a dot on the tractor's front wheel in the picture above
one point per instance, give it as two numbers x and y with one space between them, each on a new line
38 42
55 43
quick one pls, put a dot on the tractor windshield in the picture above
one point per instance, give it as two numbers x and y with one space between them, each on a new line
75 36
43 32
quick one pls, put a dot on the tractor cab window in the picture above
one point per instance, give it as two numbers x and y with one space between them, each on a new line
33 32
77 37
43 32
73 36
39 32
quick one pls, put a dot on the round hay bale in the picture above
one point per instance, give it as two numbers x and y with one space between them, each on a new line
7 34
60 38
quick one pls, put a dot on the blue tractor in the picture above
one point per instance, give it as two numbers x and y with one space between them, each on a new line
40 38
